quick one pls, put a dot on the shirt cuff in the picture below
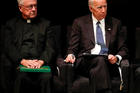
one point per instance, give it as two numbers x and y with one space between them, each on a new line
119 59
73 56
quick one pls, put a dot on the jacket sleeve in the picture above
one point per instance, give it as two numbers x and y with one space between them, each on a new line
74 39
49 53
122 42
10 49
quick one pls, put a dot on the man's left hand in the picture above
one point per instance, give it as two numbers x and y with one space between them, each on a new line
112 59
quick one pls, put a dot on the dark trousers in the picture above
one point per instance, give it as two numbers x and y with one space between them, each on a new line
137 81
6 75
98 70
32 82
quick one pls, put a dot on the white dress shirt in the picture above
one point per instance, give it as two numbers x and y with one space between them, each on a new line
97 48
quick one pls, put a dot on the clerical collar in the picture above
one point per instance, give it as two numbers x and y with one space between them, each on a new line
29 21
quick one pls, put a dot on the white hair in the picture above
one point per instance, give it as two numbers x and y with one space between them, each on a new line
90 3
20 2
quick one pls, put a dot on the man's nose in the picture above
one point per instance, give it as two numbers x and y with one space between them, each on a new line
33 8
103 9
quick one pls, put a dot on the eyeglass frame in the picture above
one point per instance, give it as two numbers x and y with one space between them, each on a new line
30 7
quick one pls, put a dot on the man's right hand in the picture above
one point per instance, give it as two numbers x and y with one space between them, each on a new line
70 58
32 63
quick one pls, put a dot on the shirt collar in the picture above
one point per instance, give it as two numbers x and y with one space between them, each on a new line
28 21
95 20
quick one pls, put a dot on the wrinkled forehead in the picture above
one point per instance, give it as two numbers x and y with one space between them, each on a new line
28 2
99 1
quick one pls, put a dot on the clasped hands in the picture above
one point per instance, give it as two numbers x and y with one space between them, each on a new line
71 58
35 63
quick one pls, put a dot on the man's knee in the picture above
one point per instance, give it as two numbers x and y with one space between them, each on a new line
125 64
137 72
45 77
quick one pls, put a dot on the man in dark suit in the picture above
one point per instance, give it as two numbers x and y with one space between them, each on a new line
29 41
84 39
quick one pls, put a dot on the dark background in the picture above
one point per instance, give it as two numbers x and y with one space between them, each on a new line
64 11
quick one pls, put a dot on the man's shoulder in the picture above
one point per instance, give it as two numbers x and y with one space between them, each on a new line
113 19
44 20
83 17
11 21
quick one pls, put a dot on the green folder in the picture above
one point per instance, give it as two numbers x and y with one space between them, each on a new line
41 69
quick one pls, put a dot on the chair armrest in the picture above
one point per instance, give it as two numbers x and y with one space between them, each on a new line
125 70
65 73
124 63
64 70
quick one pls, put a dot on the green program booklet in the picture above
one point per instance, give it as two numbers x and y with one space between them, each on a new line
42 69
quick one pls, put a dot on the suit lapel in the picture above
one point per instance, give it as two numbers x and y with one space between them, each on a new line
108 29
90 29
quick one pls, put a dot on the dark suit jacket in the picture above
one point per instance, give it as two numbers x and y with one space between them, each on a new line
33 40
82 37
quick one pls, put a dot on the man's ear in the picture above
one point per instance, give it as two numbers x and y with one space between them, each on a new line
20 8
90 8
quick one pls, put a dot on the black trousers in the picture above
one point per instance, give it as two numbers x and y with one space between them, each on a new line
137 81
7 75
99 71
32 82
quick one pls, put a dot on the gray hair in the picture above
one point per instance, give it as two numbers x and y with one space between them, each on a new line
20 2
90 3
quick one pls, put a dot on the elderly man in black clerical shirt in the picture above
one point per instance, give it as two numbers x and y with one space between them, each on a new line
29 41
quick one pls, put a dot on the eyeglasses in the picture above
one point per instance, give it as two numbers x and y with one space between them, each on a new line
30 6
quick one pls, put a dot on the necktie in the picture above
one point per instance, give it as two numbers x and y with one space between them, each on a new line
100 40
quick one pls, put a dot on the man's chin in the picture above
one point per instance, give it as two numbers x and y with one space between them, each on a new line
102 17
33 16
